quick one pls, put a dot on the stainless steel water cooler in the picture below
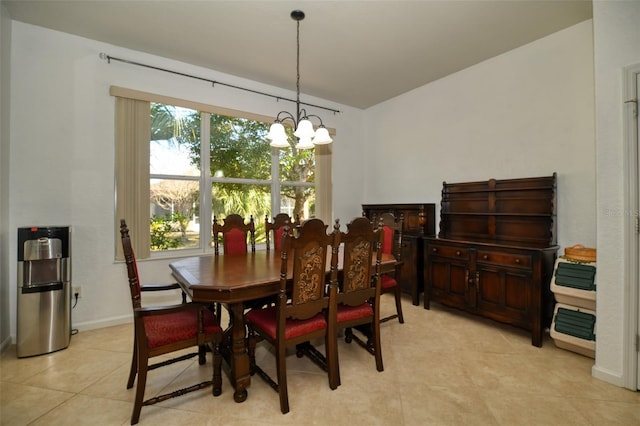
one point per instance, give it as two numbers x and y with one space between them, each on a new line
44 290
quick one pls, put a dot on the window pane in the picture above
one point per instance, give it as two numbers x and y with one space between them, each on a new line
239 148
174 214
298 201
297 165
242 199
175 141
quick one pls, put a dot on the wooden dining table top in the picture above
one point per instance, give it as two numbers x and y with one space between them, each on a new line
236 278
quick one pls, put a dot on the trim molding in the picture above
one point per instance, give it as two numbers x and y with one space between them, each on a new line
630 355
106 322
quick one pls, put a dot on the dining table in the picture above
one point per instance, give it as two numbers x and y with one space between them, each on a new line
234 280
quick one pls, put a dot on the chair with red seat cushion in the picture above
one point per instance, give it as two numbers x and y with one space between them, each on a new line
161 330
299 315
392 244
234 233
280 221
358 296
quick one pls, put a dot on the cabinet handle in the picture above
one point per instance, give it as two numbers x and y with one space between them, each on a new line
518 261
485 257
435 250
477 281
457 252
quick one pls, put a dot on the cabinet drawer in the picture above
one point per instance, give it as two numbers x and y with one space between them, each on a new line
448 251
505 259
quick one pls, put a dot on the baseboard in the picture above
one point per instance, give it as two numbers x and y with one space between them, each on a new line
607 376
5 344
102 323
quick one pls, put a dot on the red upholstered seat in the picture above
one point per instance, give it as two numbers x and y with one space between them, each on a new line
266 320
172 328
388 281
349 313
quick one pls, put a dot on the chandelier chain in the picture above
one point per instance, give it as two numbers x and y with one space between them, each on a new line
298 69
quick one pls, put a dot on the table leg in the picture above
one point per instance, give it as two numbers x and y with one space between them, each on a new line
239 359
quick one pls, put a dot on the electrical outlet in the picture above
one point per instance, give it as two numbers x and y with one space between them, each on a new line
78 291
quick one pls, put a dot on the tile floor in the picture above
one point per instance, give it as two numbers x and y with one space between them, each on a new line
442 367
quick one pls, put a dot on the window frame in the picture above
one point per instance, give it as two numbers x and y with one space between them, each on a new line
322 187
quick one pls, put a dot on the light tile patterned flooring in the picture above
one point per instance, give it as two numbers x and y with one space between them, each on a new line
442 367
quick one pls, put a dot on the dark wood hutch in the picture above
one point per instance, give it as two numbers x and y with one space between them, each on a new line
495 251
418 221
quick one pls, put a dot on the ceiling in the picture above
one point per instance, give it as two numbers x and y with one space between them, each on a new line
356 53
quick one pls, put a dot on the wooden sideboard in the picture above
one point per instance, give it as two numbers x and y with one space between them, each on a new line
418 220
495 251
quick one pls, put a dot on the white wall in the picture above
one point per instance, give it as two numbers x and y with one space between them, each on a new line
62 150
616 46
528 112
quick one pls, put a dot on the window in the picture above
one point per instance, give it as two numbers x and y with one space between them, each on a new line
240 166
203 164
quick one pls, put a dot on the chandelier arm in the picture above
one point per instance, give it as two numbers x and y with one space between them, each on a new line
288 116
319 119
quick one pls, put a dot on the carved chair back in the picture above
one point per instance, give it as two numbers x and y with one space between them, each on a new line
276 229
234 234
392 240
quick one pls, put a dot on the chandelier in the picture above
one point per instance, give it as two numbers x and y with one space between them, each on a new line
307 138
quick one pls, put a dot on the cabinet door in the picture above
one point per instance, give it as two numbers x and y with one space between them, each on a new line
504 294
446 277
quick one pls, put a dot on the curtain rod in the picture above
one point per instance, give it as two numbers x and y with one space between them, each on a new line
109 58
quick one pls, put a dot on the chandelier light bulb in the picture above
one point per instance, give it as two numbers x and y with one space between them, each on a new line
322 136
305 129
305 143
278 136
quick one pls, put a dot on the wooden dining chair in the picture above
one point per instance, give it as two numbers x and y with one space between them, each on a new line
235 234
359 285
276 229
161 330
301 314
392 244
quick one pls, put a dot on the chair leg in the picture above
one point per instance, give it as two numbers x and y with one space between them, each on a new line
134 369
281 367
333 364
375 330
251 351
218 312
398 294
217 369
348 335
142 382
202 354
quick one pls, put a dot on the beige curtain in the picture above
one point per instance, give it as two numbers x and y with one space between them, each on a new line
324 193
133 133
